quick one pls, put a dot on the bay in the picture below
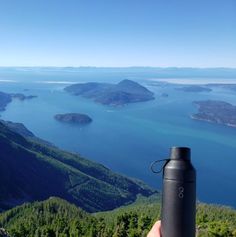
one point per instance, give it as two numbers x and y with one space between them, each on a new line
127 139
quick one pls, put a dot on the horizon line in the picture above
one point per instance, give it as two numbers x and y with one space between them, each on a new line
118 67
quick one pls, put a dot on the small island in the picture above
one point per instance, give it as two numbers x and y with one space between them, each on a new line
124 92
73 118
164 95
216 112
194 88
22 96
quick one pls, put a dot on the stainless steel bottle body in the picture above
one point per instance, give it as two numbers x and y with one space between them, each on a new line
179 195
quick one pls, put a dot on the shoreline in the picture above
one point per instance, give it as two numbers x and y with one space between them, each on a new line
213 122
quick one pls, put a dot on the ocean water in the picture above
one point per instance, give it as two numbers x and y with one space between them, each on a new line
127 139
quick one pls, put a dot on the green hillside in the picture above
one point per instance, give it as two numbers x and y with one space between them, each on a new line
32 170
57 218
211 220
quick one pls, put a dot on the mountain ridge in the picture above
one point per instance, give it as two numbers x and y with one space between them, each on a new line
30 170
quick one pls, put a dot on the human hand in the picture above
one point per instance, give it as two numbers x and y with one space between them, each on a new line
156 230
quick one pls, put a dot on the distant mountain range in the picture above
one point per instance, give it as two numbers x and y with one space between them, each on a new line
157 72
31 169
124 92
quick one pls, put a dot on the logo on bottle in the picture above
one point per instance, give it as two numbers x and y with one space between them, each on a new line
181 192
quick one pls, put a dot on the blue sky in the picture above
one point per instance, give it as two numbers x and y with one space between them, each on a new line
182 33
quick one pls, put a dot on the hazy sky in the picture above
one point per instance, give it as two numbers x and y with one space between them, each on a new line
183 33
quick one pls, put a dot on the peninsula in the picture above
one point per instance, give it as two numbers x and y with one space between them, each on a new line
216 111
74 118
5 99
124 92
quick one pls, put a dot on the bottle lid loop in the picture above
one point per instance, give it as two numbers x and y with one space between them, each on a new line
154 165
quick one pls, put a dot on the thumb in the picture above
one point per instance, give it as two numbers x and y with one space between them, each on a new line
156 230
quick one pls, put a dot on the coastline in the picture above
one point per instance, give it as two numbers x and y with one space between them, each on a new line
210 121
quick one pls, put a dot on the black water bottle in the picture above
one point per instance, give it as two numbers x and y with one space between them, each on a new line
179 195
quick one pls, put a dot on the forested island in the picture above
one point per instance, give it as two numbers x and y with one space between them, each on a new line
216 111
124 92
74 118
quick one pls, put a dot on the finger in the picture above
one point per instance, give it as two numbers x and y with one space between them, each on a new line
156 230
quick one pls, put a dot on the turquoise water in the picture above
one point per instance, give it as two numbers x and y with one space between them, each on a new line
127 139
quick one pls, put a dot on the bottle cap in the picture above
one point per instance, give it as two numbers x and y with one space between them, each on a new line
183 153
179 166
